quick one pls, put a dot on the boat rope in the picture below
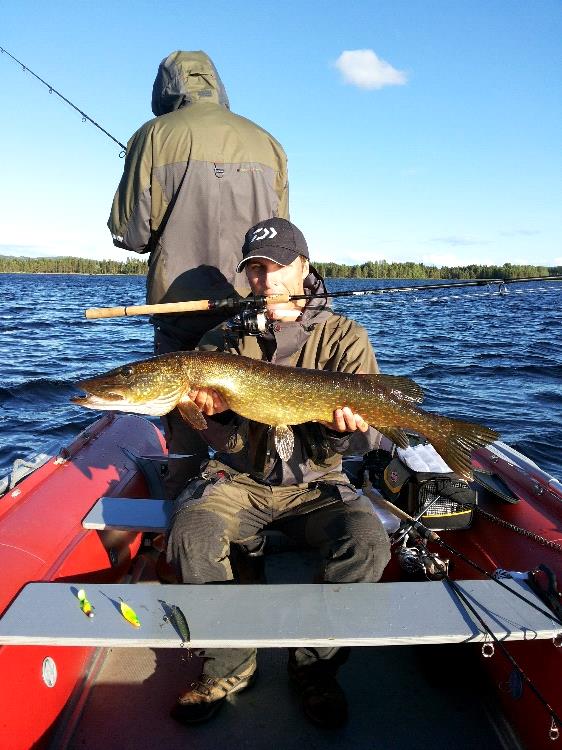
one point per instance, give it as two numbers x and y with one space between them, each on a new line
53 90
519 530
556 722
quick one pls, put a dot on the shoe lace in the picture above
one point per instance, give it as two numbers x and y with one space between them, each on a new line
203 685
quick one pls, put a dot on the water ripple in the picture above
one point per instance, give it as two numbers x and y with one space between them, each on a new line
478 356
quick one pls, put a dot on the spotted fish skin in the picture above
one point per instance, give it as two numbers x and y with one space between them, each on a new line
281 396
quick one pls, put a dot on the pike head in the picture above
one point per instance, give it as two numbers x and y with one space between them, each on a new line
151 386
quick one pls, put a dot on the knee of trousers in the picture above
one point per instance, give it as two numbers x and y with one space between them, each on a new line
360 555
198 546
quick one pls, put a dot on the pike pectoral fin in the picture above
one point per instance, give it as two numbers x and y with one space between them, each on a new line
284 441
395 434
191 413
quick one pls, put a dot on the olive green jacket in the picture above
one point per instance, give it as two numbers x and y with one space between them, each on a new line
320 340
196 178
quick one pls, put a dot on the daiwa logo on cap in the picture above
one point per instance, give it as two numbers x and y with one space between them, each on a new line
263 233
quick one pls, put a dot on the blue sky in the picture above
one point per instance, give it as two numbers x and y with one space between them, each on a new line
425 130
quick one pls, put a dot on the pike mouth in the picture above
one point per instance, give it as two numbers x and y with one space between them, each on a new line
91 400
115 401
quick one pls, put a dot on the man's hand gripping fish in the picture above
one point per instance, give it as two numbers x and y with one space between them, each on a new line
282 396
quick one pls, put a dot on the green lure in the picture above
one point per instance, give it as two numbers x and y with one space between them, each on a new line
129 614
85 605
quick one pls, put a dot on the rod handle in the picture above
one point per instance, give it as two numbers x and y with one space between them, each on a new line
167 307
171 307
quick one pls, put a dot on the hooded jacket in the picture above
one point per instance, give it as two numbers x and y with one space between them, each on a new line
195 179
321 340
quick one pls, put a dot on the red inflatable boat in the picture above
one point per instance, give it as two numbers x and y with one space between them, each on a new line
517 526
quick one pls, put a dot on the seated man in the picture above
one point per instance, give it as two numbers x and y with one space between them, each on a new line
247 487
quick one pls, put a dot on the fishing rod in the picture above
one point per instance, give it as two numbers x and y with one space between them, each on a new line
258 303
423 532
419 529
53 90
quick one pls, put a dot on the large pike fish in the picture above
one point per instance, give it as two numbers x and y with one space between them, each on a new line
281 396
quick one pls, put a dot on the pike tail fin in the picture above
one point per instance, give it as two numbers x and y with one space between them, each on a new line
455 440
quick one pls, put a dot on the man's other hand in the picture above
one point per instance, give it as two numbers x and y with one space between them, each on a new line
346 421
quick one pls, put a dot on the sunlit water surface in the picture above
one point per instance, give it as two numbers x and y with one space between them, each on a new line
479 356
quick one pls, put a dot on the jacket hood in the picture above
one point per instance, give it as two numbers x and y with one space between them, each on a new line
184 78
314 284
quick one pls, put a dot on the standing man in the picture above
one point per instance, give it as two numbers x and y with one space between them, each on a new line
248 487
195 178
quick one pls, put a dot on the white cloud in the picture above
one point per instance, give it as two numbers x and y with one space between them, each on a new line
364 69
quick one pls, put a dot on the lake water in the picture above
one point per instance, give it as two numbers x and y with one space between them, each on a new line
479 356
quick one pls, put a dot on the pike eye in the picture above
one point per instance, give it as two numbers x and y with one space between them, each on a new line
126 371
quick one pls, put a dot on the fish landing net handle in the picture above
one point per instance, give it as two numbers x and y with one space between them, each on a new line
167 308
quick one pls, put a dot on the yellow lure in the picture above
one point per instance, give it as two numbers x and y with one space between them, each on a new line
129 614
85 605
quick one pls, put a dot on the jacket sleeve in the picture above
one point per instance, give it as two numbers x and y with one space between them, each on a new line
130 218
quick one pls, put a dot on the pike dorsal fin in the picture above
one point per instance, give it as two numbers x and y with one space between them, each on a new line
395 434
191 413
399 386
284 441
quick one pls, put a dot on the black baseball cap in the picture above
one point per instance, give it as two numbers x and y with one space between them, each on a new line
275 239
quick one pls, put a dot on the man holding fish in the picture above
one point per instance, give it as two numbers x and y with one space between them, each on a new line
278 408
248 486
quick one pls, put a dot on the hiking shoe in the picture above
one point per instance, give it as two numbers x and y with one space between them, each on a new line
207 695
322 699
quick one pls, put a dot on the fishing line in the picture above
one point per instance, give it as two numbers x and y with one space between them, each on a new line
419 530
53 90
424 532
426 287
464 599
256 305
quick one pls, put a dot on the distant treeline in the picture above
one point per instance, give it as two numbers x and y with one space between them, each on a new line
382 270
13 264
379 269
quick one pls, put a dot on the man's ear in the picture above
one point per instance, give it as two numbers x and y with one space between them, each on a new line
305 269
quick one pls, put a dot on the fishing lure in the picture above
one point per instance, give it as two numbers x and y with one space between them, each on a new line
129 614
179 621
85 605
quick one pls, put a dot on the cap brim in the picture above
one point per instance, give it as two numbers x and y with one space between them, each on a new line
282 259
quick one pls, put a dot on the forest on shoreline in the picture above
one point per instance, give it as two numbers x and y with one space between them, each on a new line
370 270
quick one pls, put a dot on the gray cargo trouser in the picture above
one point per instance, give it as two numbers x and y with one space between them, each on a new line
223 507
